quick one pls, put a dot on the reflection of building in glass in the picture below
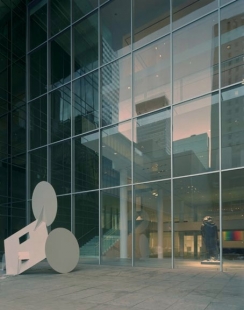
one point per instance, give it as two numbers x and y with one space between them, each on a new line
232 71
198 144
152 146
122 116
110 92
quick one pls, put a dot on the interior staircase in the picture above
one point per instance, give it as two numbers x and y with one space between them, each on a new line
91 248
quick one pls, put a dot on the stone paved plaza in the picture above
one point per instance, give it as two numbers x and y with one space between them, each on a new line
120 288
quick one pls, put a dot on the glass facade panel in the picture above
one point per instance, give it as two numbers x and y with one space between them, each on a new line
152 147
196 146
223 2
151 77
233 213
85 45
38 122
232 42
122 109
19 129
85 103
63 217
153 224
196 201
18 33
115 24
81 8
18 82
186 11
38 168
17 219
18 178
61 167
151 20
60 59
195 58
38 72
87 225
116 225
116 91
232 110
4 148
37 23
59 15
60 113
116 155
86 162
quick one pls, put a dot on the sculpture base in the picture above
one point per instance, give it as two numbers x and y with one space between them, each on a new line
210 262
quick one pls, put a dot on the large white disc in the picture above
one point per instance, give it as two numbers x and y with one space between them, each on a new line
62 250
44 203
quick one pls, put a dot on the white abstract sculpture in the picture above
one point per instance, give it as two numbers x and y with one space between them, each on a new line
60 247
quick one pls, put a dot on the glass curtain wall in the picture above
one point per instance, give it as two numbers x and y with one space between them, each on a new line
12 118
135 116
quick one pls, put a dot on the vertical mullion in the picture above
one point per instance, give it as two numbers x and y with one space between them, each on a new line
99 137
171 137
220 147
72 142
48 95
27 79
132 139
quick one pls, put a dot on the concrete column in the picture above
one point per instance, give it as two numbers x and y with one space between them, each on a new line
123 215
160 224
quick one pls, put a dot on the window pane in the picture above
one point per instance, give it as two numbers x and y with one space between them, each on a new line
87 225
60 15
85 103
116 155
87 162
63 217
18 177
4 125
115 29
232 42
18 35
18 80
186 11
81 8
38 72
222 2
85 45
116 224
60 113
152 224
38 122
38 168
152 77
196 204
233 127
61 167
38 24
60 59
19 129
196 136
233 214
152 148
116 91
151 20
195 59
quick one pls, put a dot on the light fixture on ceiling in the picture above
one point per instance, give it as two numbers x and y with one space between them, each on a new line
139 218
